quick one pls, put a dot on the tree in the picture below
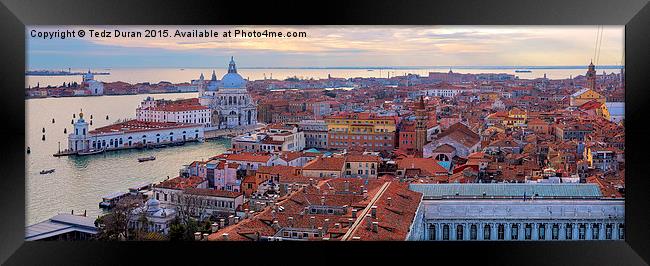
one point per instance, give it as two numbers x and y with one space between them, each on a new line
114 225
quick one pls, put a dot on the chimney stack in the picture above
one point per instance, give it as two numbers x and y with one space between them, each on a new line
214 227
276 226
337 225
365 194
205 236
346 185
236 219
375 227
354 213
312 221
222 223
197 236
326 224
224 236
373 211
290 220
322 200
389 201
311 181
368 221
231 219
245 213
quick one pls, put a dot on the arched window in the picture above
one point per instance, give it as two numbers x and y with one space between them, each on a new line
473 232
445 232
432 232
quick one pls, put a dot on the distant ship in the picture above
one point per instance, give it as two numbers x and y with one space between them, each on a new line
522 71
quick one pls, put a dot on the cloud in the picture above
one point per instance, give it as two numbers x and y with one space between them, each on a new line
374 45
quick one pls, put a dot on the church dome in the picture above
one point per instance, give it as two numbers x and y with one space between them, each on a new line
153 205
232 80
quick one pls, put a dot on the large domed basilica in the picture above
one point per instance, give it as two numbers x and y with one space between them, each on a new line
228 99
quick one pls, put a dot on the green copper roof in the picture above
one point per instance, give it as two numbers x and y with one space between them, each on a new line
507 190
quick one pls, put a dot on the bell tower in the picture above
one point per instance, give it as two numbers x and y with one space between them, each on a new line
591 76
421 118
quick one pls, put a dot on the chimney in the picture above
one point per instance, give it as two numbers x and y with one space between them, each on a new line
197 236
326 224
222 223
224 236
245 213
236 219
322 200
312 221
231 219
205 237
346 185
290 220
276 226
311 181
337 225
389 201
273 214
251 213
354 213
373 211
356 238
365 194
375 227
326 238
368 221
214 227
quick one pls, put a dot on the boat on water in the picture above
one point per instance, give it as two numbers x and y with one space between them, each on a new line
180 143
522 71
144 159
90 152
109 201
44 172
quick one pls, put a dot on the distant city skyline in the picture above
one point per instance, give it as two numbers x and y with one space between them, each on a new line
345 46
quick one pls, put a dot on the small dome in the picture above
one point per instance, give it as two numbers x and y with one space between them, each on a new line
153 205
233 80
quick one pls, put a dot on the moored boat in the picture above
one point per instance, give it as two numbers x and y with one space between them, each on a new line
90 152
44 172
109 201
144 159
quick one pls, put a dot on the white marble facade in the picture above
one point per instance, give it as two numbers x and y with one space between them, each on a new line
516 219
230 103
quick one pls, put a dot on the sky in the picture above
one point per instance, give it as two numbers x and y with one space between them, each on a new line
334 46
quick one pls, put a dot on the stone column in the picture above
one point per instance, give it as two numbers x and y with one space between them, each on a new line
575 228
589 231
438 231
562 233
615 231
521 231
507 234
548 230
479 231
493 234
466 228
535 233
452 231
601 231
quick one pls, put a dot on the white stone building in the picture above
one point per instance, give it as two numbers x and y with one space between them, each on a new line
131 134
165 111
230 103
95 87
517 212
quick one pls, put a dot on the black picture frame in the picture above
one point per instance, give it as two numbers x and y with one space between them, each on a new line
15 14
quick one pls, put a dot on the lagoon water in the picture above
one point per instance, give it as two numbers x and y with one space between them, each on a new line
80 182
176 75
